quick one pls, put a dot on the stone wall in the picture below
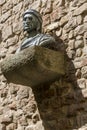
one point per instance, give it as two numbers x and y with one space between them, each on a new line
61 105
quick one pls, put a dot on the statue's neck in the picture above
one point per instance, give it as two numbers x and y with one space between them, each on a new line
32 34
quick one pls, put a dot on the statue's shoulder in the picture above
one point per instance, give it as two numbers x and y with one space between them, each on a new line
46 37
46 40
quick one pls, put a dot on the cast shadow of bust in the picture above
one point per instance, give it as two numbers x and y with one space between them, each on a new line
61 103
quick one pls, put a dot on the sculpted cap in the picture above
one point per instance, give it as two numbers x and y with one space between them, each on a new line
35 13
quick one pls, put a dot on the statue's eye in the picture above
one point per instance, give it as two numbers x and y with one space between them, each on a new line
30 18
27 18
24 19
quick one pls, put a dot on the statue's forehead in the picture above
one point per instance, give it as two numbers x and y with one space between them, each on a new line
28 15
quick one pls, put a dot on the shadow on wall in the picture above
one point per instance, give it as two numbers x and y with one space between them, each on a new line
0 36
61 104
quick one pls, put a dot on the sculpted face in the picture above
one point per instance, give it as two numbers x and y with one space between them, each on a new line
29 22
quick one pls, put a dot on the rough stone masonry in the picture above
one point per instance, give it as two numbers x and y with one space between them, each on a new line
61 105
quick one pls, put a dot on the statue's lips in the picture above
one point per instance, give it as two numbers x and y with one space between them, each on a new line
27 26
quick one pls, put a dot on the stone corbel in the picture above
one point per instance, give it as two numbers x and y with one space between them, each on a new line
33 66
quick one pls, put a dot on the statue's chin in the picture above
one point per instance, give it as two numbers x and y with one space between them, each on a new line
27 29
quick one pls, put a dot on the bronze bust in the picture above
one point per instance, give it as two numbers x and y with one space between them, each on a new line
32 24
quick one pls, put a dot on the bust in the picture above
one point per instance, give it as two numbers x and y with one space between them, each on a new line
32 24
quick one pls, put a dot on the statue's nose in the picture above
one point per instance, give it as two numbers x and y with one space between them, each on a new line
27 20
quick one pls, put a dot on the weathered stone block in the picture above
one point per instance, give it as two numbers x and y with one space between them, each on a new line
80 29
17 27
2 2
79 19
81 9
2 127
84 72
11 41
78 52
46 19
7 6
7 118
59 32
79 44
80 62
85 19
33 66
71 34
17 8
5 16
52 26
6 32
64 20
35 5
71 44
81 83
84 93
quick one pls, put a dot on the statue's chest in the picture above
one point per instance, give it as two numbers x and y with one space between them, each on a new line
31 42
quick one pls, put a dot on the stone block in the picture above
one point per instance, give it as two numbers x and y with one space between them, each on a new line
85 51
84 72
71 44
35 5
7 6
79 19
64 20
2 127
81 9
80 62
6 32
5 16
79 30
71 34
11 41
78 52
85 19
55 15
33 66
52 26
17 27
84 93
48 8
81 83
46 19
79 44
2 2
59 32
17 8
5 119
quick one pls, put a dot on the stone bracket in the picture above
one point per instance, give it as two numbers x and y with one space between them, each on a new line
33 66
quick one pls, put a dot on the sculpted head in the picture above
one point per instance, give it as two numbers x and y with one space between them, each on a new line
32 21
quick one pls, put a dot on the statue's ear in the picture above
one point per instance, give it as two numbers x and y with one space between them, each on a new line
39 27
